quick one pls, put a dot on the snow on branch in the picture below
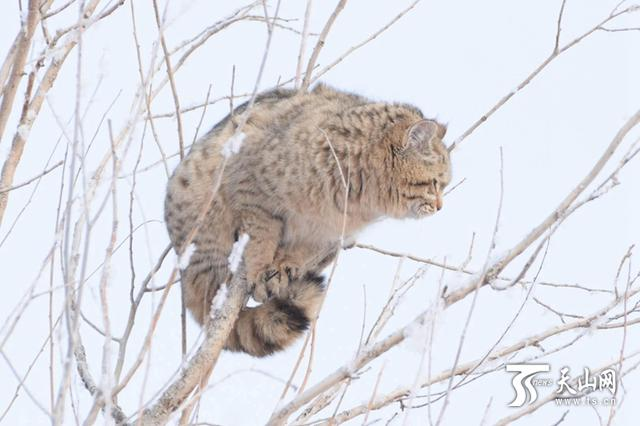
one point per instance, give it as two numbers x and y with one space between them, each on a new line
202 362
233 144
237 251
185 257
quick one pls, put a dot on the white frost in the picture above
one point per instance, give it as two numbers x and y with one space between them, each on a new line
185 258
23 131
457 283
418 334
252 303
219 299
595 324
233 145
497 256
57 54
236 252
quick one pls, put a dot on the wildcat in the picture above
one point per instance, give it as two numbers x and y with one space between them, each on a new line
312 171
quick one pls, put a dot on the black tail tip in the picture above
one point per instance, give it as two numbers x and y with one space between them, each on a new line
297 319
314 278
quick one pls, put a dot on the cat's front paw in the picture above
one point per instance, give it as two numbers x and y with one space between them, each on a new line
288 265
269 282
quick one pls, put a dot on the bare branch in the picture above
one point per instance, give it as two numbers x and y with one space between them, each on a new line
217 329
27 182
554 54
556 215
303 43
19 60
319 44
172 81
362 43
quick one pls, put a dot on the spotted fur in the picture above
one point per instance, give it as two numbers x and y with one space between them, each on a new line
306 161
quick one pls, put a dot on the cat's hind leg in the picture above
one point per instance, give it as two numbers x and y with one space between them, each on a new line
200 281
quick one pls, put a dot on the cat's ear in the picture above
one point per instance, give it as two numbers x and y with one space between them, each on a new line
422 134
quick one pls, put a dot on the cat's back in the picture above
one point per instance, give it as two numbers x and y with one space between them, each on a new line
276 129
281 129
281 111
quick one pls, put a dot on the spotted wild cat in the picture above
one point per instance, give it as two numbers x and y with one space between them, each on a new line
309 164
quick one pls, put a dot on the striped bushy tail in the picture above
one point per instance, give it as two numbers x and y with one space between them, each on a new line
277 323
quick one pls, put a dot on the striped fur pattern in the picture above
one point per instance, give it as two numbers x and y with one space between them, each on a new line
310 166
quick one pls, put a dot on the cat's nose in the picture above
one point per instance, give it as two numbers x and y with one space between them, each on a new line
438 203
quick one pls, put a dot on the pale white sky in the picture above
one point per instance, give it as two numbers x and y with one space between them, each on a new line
452 59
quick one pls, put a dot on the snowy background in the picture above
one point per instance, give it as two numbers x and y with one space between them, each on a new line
452 59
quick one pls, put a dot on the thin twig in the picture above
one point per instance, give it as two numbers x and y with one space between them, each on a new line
27 182
319 44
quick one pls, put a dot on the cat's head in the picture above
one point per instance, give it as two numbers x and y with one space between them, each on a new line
422 170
